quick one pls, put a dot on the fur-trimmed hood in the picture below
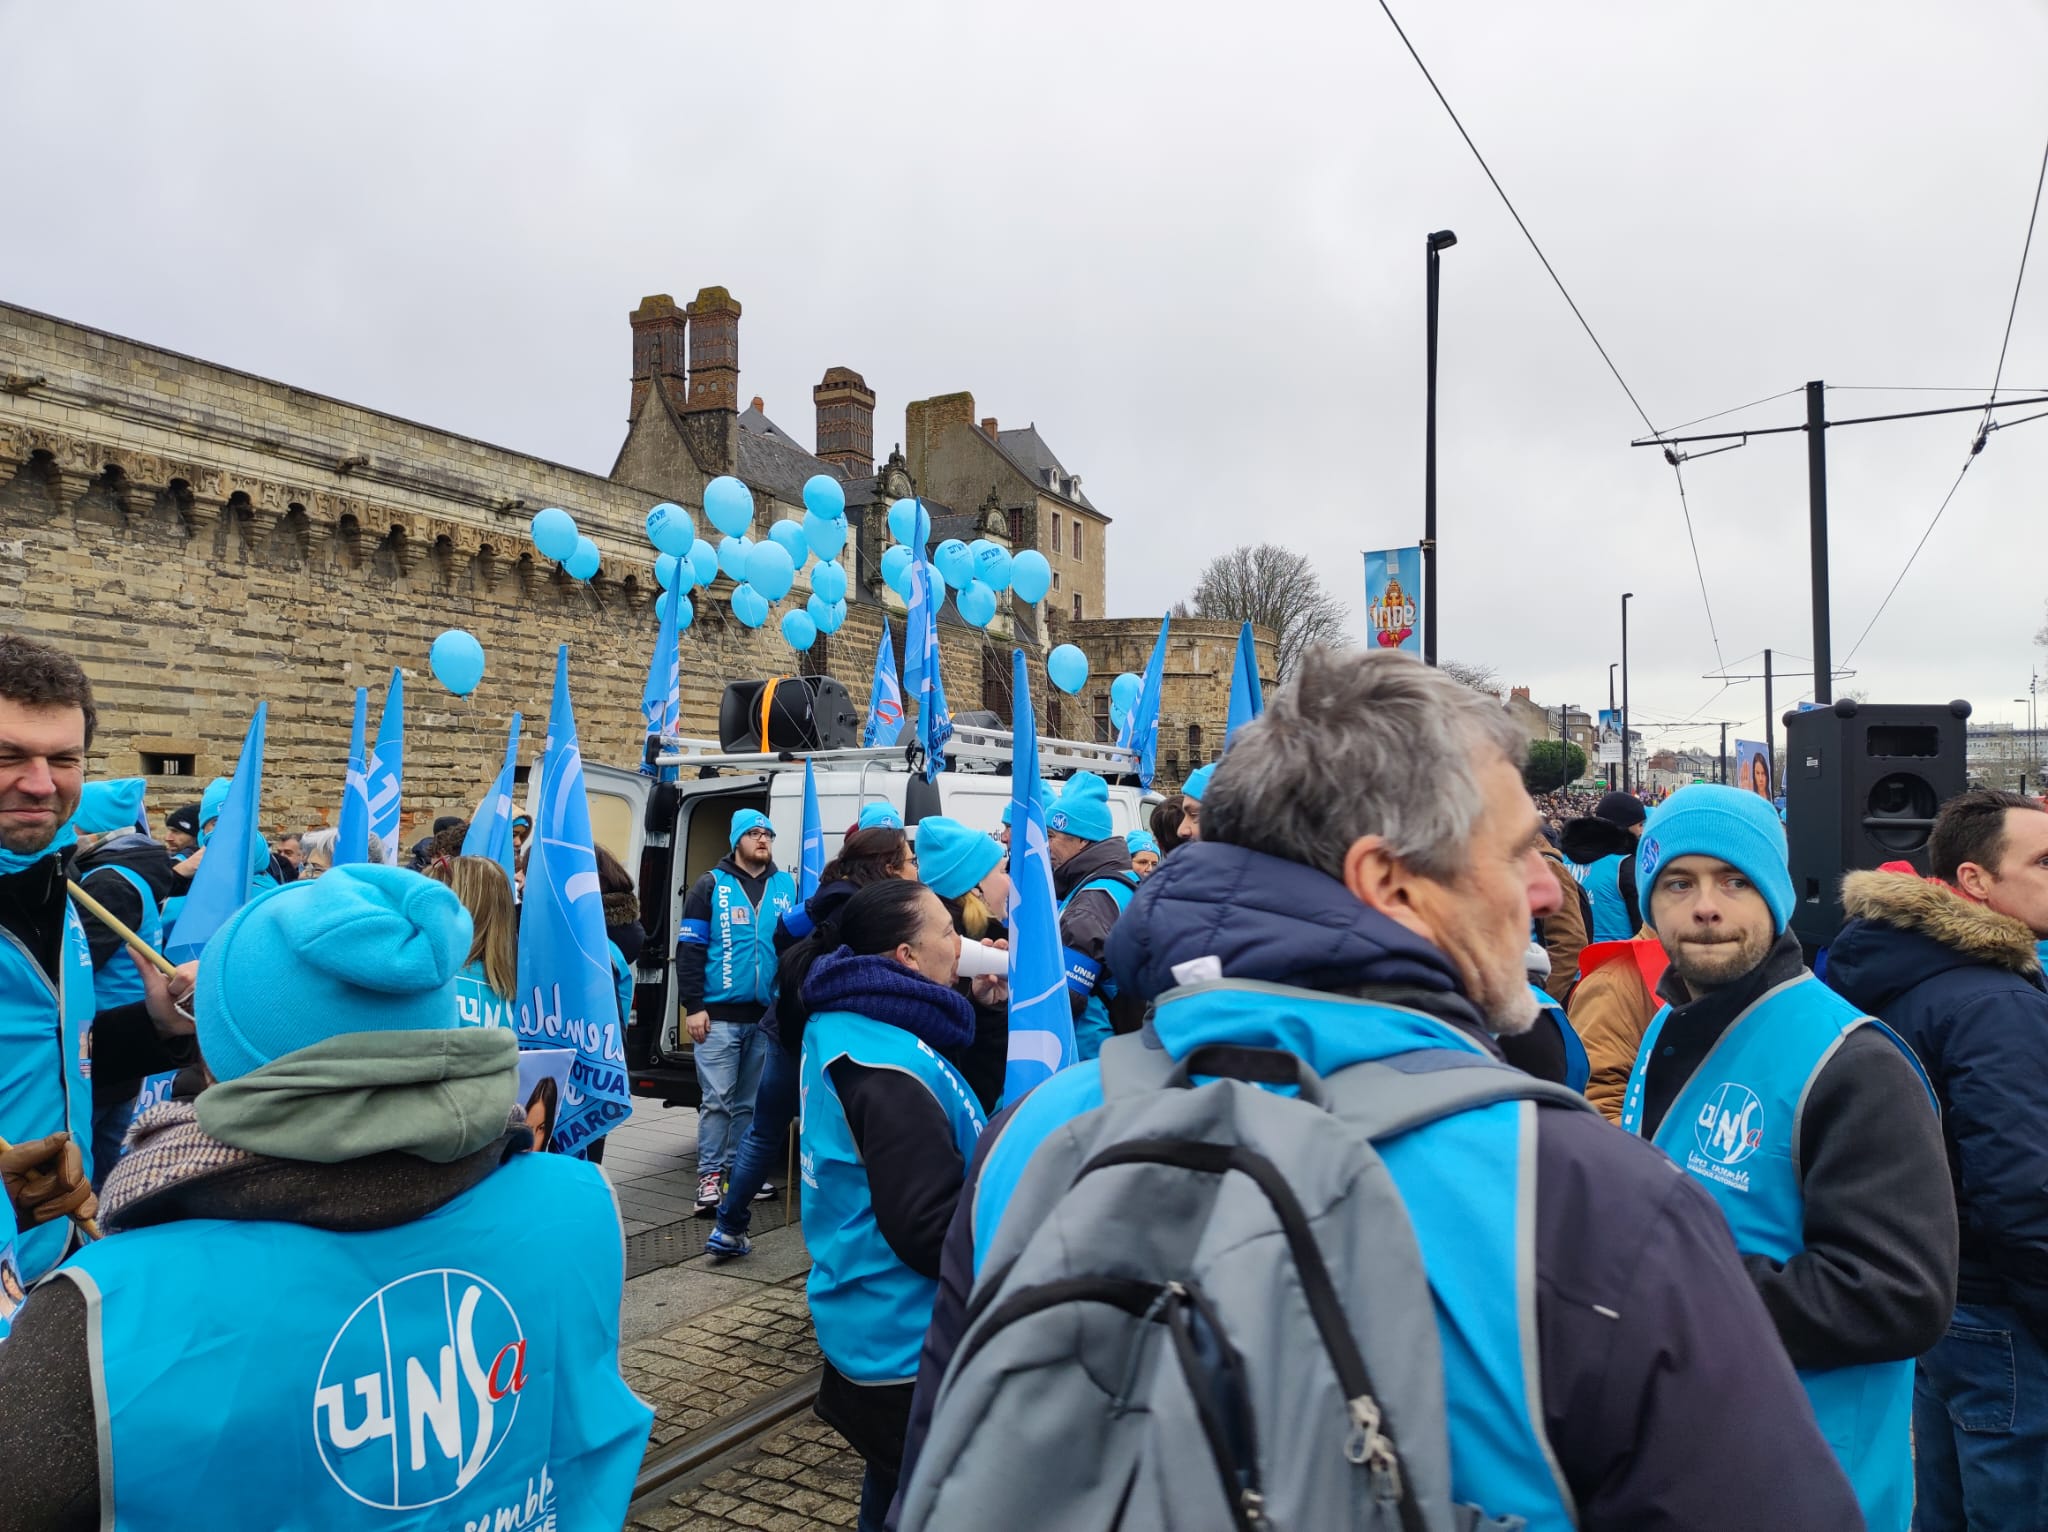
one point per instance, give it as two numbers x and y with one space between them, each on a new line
1939 913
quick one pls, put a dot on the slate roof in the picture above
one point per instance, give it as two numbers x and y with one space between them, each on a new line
771 459
1028 450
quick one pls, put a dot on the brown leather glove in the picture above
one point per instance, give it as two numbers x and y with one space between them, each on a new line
46 1179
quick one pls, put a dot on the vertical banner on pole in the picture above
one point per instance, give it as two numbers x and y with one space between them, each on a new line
1393 598
1753 767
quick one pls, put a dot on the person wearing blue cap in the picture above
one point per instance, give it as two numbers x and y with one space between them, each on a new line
965 867
1191 801
725 977
1604 844
879 816
1046 798
344 1218
1810 1123
1143 846
1093 881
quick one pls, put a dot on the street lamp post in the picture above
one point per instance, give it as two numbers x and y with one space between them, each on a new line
1610 710
1626 597
1437 243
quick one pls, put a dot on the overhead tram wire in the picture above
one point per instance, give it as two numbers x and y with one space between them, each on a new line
1986 426
1684 509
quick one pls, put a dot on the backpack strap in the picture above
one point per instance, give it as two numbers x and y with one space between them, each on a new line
1384 1098
1137 1063
1134 1063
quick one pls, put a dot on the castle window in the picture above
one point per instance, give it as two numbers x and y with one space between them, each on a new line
1077 539
1055 532
158 764
1077 606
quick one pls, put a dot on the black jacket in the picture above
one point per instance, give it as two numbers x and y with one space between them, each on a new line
148 860
692 957
1589 840
1963 986
1085 924
1663 1396
1876 1281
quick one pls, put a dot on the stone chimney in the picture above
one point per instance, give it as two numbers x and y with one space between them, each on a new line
757 406
714 351
1519 694
658 354
846 422
988 428
926 420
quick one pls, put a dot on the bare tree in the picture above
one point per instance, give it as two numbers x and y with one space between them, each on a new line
1481 678
1278 589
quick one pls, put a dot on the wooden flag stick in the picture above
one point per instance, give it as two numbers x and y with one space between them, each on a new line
135 943
90 1225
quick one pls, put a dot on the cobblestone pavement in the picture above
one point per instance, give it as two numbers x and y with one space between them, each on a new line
800 1475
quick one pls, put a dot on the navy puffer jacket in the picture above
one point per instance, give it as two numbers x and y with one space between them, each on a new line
1962 985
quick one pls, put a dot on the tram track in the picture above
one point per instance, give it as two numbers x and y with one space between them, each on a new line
720 1442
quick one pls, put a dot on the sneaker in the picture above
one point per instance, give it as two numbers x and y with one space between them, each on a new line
767 1190
724 1246
709 1189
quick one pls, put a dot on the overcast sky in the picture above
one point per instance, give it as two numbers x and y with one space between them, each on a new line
1185 239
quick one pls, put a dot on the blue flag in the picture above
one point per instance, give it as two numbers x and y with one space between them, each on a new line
566 995
1041 1016
921 668
885 698
1247 700
811 868
490 831
1140 733
661 701
234 854
387 769
352 839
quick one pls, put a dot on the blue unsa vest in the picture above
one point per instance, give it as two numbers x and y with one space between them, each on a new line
1469 1183
12 1288
1578 1068
1602 882
118 981
870 1310
1734 1127
476 1003
457 1371
46 1065
740 966
1085 975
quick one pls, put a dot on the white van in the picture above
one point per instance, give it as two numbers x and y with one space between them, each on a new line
671 833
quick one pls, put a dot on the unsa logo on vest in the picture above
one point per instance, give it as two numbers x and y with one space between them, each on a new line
419 1389
1730 1126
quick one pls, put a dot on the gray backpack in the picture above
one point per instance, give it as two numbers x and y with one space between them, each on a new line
1205 1308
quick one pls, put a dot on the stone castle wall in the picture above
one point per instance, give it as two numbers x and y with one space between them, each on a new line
1194 704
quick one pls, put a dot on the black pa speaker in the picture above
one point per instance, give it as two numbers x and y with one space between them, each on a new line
1863 782
800 713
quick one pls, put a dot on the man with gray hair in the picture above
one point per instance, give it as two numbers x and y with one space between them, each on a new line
1360 901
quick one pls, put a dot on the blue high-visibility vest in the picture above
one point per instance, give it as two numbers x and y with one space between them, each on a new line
1085 975
476 1003
1602 883
457 1371
46 1065
12 1288
870 1310
1468 1182
1578 1068
1734 1128
118 981
740 966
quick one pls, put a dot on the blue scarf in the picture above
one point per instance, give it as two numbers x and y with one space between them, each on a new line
12 862
882 989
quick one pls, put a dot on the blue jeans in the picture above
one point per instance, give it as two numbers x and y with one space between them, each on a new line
1980 1426
729 1062
877 1492
766 1146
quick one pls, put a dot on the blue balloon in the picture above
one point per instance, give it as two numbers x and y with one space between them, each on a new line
900 526
1119 716
825 615
704 560
977 604
554 534
838 617
458 661
670 529
732 557
684 575
665 571
790 536
729 504
825 535
991 563
749 605
824 497
896 570
1030 576
686 612
829 581
1124 690
798 631
582 564
954 563
1067 668
770 570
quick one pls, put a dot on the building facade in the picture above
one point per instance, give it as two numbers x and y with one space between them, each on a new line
1194 696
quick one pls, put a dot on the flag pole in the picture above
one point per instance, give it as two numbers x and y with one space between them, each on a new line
135 943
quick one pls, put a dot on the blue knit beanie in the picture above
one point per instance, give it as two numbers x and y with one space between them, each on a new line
1045 795
1141 840
1083 809
365 948
951 858
1727 824
749 819
213 800
880 816
1197 782
104 807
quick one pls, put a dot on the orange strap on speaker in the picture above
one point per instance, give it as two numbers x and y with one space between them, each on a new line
767 701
